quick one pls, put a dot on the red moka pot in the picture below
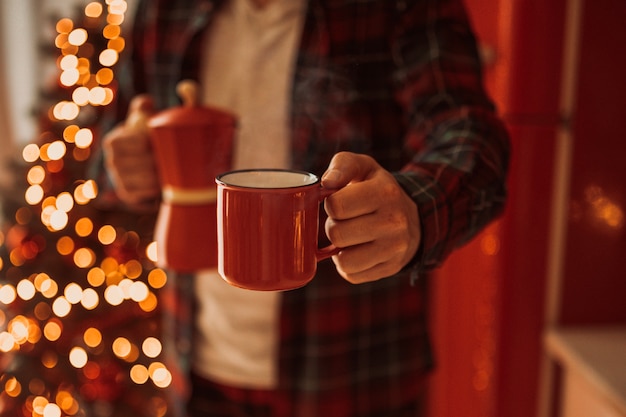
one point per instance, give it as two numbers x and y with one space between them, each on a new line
192 144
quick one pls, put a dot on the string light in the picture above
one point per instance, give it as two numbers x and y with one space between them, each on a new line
90 78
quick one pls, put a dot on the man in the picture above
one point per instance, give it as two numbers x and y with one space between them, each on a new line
385 99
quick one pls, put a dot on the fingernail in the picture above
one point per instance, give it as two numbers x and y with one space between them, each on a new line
332 175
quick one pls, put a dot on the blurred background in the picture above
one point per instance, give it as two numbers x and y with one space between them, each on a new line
530 318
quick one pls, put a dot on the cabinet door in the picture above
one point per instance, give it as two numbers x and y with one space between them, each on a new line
582 399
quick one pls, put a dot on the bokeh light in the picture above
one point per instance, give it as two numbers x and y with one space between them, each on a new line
107 273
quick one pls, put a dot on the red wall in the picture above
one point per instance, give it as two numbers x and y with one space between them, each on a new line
489 299
488 305
594 288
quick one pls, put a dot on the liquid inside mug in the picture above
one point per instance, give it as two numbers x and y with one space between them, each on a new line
267 228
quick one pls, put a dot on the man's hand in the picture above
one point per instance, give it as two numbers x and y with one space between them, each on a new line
371 218
129 159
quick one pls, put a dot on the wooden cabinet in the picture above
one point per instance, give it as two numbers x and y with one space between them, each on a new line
593 361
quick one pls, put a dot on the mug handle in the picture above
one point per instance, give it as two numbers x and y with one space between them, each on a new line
330 250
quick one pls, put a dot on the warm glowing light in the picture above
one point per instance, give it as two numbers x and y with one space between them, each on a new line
65 202
107 234
108 57
138 291
8 294
90 299
97 95
109 265
151 251
84 258
125 285
108 96
34 194
149 304
12 387
79 195
39 403
139 374
78 357
7 342
85 192
52 330
36 175
96 277
92 86
61 307
61 41
67 48
133 269
30 153
43 152
84 227
64 25
92 337
49 360
114 295
26 290
490 244
18 327
117 44
69 77
70 131
117 7
58 220
77 37
157 278
80 96
93 9
115 19
51 410
104 76
111 31
66 110
67 403
84 137
151 347
121 347
73 293
68 62
161 377
46 213
47 286
56 150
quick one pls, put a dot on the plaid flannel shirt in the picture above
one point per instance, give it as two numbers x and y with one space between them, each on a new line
399 80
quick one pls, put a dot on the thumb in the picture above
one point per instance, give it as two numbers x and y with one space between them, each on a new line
140 109
347 167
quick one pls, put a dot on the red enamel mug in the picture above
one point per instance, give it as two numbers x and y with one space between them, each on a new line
267 228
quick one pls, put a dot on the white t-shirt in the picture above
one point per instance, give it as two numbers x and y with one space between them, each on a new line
248 68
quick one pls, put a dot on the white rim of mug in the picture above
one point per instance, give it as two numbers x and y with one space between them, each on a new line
219 178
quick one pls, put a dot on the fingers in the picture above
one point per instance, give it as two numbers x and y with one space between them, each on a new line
346 167
140 109
370 217
130 162
358 266
376 245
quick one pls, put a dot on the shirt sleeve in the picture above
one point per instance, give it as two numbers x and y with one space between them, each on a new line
457 176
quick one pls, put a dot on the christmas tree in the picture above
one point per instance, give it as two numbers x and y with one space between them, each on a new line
80 295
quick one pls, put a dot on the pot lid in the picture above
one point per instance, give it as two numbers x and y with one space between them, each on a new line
190 113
